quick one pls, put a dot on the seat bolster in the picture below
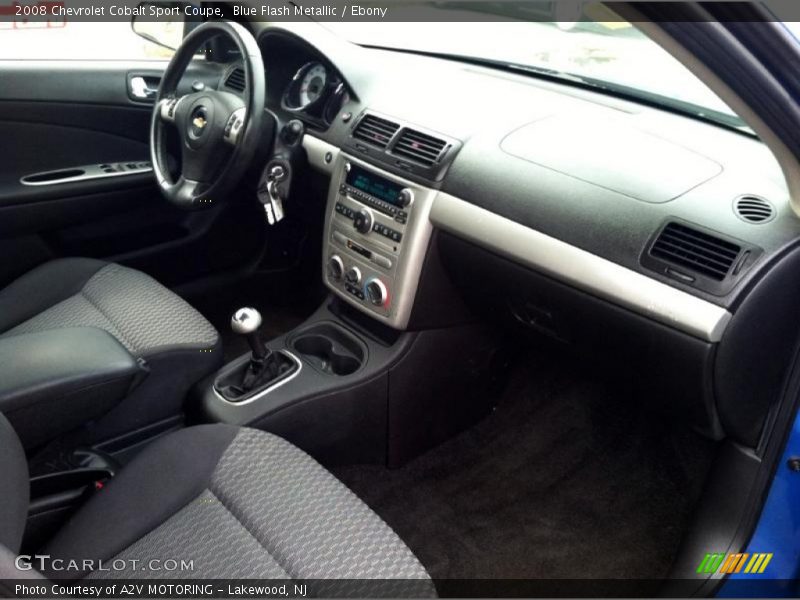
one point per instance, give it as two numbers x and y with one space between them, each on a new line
14 490
44 287
163 479
10 575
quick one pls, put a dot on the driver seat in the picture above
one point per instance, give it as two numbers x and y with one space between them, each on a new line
172 341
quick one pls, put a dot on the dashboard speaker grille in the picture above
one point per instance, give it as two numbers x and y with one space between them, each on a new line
695 250
375 130
419 146
753 209
236 80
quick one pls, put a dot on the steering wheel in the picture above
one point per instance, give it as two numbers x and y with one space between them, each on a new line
219 131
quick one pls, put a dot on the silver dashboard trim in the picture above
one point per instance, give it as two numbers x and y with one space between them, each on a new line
317 149
580 268
269 388
89 172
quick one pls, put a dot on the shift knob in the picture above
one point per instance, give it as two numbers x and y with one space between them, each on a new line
246 321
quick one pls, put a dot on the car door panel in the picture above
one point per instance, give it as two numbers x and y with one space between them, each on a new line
51 136
58 115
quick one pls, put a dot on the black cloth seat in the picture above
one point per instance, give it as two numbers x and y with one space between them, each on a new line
238 503
175 342
142 314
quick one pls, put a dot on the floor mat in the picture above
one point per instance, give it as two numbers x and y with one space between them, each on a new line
565 479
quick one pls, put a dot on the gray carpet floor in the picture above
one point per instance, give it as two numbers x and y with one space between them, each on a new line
567 478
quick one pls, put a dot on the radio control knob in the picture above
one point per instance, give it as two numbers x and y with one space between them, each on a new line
405 197
363 220
336 266
377 292
353 275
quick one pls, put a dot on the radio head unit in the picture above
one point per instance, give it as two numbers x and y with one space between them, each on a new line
386 195
374 185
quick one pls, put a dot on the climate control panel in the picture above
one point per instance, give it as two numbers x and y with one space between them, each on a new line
377 232
373 290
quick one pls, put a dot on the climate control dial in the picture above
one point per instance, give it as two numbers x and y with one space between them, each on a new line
336 266
376 292
353 275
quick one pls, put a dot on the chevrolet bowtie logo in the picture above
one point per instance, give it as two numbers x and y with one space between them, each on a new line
199 122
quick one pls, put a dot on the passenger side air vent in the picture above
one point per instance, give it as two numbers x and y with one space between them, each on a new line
375 130
236 80
418 146
696 251
753 209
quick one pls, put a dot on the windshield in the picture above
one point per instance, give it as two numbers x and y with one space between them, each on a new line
612 54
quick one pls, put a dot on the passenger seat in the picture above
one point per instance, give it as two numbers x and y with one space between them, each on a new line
236 502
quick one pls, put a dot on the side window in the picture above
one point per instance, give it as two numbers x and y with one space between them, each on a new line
50 37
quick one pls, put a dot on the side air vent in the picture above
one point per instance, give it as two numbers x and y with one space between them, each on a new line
753 209
420 147
236 80
375 130
696 251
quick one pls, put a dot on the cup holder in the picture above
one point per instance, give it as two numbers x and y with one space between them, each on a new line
330 349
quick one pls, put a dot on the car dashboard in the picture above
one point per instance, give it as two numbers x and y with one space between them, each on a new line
660 222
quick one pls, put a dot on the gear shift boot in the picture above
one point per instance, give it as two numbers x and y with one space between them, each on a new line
244 379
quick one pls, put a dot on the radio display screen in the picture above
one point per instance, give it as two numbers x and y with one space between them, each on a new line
374 185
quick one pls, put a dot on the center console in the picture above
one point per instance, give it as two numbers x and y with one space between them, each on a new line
392 363
377 232
51 382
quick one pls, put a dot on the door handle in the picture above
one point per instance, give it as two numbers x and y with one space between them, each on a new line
140 90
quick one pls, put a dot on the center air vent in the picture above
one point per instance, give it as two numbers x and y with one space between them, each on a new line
753 209
696 251
375 130
236 80
402 147
419 146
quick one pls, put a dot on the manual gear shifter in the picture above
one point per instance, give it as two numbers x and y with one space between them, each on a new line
246 321
243 378
263 366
